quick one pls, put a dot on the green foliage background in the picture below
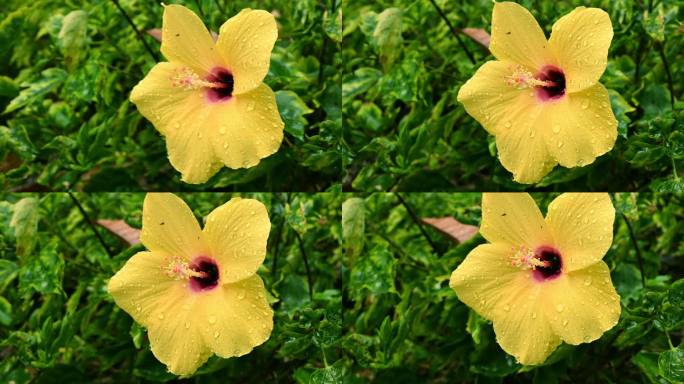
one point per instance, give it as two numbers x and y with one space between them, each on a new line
405 325
67 70
58 324
405 131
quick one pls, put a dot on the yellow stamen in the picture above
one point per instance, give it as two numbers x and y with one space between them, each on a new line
525 259
521 78
187 79
179 269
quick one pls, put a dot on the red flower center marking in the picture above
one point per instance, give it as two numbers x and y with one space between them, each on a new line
554 87
207 276
223 85
551 263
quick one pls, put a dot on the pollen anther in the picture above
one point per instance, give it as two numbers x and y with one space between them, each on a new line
526 259
179 269
187 79
521 78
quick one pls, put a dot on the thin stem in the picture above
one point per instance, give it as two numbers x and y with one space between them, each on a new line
219 6
661 51
199 8
90 224
636 247
417 221
137 31
306 264
640 53
276 248
453 31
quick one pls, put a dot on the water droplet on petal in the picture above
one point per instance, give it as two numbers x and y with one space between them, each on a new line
212 319
560 307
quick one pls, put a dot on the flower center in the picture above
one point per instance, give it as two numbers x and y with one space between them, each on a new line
208 274
223 77
555 83
549 83
545 262
202 273
218 84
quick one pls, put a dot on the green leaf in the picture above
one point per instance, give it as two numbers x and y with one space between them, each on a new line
332 25
43 272
7 87
621 108
51 79
387 35
671 364
648 364
5 312
373 273
353 226
361 81
25 223
331 374
292 110
73 37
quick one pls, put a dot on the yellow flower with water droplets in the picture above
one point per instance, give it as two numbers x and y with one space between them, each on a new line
209 101
196 290
541 280
541 99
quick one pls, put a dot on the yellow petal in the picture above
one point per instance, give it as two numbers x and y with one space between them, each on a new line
582 227
186 40
246 128
583 304
176 334
513 219
191 149
579 127
522 147
580 42
168 107
236 234
524 330
488 99
485 280
245 41
162 305
140 284
517 37
236 317
170 228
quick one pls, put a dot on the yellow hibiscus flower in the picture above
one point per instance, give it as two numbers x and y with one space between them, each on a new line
209 101
196 291
541 280
542 99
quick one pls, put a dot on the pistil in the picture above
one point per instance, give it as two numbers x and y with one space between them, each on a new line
188 80
521 78
526 259
179 269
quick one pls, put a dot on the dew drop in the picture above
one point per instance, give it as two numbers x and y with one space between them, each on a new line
585 104
565 323
559 307
212 319
587 281
508 124
216 335
556 129
506 308
161 316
